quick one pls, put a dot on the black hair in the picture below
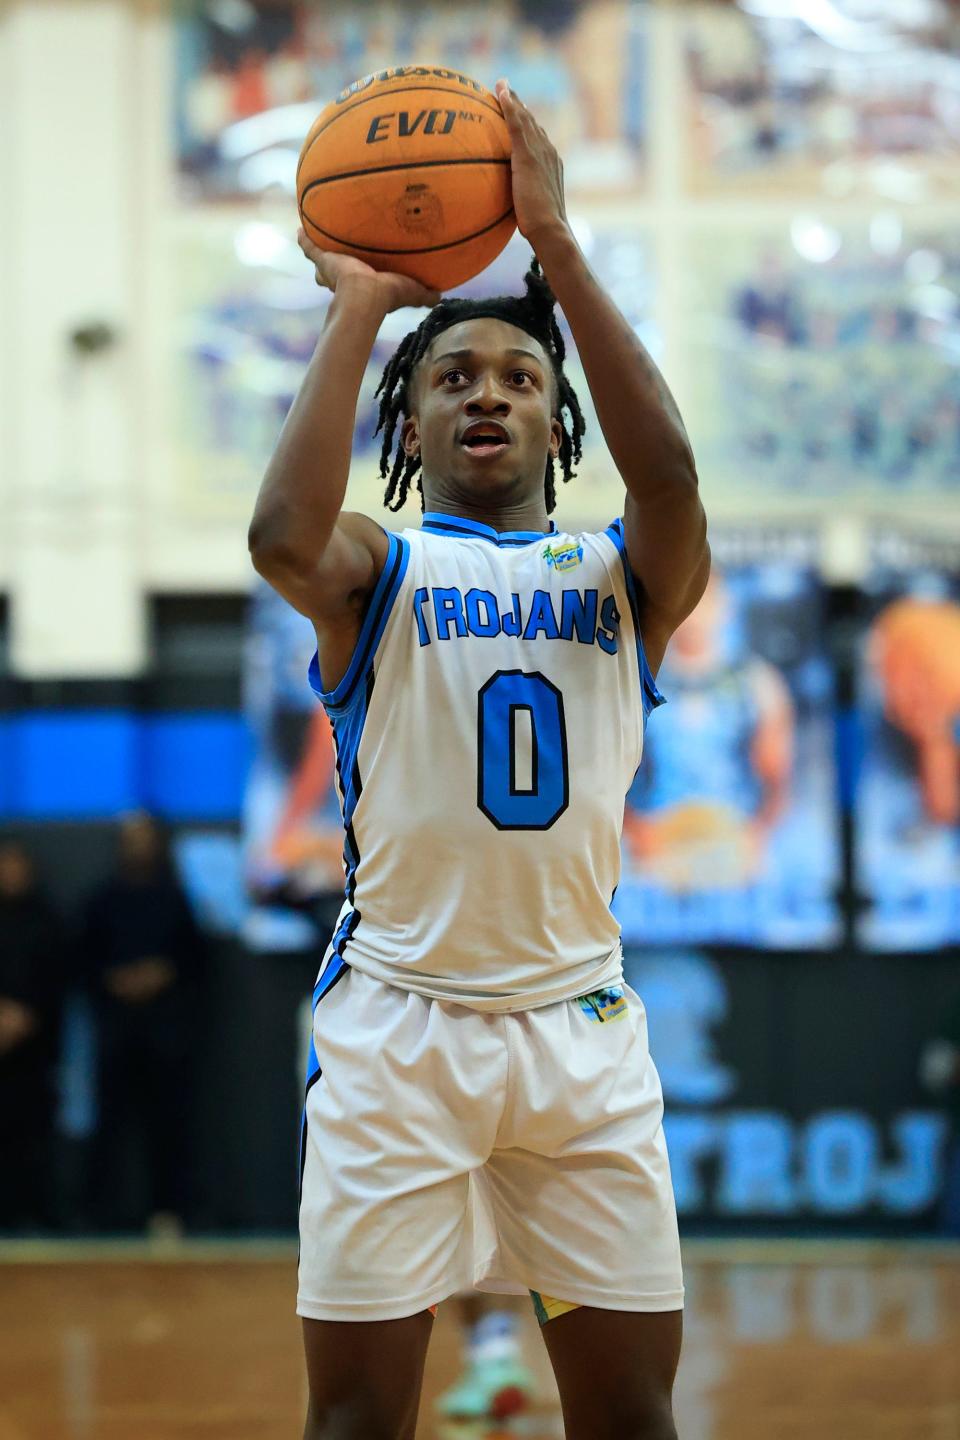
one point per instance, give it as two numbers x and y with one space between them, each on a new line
534 313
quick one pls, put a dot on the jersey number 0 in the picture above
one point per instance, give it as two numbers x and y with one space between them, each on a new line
507 804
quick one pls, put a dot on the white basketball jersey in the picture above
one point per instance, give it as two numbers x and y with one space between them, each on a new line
487 731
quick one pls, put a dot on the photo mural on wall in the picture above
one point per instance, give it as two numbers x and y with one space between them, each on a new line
730 829
908 798
252 77
822 360
841 100
249 314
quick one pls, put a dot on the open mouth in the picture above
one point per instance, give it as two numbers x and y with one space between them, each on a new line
484 439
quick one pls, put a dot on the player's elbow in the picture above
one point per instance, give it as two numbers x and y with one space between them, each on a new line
273 550
263 547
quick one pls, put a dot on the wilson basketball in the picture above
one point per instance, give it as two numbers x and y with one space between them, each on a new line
409 170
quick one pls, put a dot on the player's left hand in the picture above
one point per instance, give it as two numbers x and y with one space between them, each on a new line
536 169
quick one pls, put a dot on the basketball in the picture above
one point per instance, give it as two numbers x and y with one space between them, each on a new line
409 170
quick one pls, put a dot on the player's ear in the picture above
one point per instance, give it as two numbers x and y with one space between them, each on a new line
410 436
556 438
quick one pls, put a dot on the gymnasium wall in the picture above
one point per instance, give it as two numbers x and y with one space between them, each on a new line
791 1076
116 486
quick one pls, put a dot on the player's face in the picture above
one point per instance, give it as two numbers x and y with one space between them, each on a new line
484 422
16 872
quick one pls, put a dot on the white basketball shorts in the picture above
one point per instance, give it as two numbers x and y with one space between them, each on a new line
445 1148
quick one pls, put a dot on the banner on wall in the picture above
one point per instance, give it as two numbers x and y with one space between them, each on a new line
857 99
822 361
292 831
250 314
251 79
907 831
752 1135
730 828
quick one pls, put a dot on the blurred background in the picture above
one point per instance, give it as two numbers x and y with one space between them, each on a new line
769 189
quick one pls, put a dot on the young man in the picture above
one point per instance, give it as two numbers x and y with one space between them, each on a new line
481 1105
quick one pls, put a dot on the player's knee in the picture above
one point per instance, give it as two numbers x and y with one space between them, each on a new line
642 1417
652 1422
348 1420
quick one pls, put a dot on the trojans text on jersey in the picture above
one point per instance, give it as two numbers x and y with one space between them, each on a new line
442 612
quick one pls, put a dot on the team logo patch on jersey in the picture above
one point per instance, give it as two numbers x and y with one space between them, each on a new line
604 1005
563 557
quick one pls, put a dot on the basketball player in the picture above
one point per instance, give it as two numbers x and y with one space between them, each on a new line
717 778
481 1104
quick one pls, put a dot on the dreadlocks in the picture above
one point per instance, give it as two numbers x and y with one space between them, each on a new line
534 313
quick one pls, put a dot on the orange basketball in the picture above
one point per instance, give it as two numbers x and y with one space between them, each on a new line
409 170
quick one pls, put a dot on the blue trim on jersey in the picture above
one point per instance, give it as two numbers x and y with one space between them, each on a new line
313 1063
328 977
347 733
435 522
371 631
651 695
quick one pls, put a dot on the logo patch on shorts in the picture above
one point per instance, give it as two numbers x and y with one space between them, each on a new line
603 1005
563 557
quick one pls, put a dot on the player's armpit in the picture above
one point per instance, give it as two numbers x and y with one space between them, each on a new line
666 543
660 618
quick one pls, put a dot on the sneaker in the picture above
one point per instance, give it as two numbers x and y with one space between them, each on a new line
494 1389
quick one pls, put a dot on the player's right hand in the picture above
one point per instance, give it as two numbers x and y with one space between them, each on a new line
394 291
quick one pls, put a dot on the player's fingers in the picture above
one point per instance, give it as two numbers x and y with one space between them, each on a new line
522 109
514 110
313 252
422 295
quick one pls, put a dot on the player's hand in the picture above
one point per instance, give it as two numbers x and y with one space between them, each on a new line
536 169
394 292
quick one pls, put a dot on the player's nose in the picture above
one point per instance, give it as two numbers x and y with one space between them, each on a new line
487 398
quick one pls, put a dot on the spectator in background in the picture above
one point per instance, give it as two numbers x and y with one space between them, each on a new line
144 956
31 987
250 95
767 304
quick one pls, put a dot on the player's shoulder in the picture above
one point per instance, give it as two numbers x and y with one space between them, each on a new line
361 529
569 550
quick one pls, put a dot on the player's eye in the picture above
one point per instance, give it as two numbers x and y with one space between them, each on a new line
448 373
518 376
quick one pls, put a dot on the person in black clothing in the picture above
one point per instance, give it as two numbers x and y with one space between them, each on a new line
31 986
144 955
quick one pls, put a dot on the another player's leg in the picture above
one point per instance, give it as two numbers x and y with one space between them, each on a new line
615 1372
365 1377
494 1383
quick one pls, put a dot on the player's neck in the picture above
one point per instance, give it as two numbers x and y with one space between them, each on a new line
531 515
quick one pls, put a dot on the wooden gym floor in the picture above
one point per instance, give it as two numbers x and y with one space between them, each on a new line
783 1342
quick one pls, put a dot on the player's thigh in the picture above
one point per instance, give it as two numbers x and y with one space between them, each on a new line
581 1191
365 1377
615 1372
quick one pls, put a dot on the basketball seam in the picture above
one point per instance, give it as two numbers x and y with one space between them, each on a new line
424 250
386 170
400 90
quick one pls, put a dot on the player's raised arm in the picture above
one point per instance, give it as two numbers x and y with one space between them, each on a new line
318 559
664 522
